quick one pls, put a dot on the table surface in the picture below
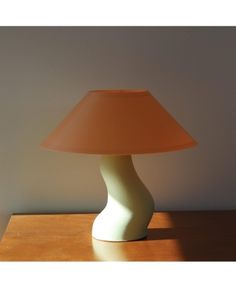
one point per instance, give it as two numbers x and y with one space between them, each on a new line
172 236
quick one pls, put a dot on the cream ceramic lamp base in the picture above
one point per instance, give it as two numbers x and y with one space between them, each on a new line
129 205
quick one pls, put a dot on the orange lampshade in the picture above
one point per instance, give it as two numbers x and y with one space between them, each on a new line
118 122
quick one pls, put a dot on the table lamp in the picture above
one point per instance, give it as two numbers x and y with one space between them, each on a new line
117 124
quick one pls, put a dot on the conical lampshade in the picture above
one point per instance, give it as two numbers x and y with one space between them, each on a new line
118 122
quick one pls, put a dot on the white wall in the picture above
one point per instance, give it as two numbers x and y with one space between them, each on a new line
45 71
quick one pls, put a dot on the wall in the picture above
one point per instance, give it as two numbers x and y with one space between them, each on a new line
45 71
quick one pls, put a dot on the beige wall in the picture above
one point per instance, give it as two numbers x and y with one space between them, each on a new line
45 71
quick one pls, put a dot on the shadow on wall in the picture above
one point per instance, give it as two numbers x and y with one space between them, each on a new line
4 219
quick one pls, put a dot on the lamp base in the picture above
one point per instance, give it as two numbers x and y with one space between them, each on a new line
129 205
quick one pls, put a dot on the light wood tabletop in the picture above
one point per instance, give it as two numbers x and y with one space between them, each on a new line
172 236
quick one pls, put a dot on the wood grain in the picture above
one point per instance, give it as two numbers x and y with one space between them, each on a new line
172 236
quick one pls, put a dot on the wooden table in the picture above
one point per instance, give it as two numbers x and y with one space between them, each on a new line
171 236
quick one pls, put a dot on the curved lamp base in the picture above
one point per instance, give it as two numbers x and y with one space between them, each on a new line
129 205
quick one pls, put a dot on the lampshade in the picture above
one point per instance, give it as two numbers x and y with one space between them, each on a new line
118 122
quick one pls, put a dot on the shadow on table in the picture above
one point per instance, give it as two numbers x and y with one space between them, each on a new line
161 234
201 236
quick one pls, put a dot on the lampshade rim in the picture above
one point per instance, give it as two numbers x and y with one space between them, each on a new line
119 91
125 152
